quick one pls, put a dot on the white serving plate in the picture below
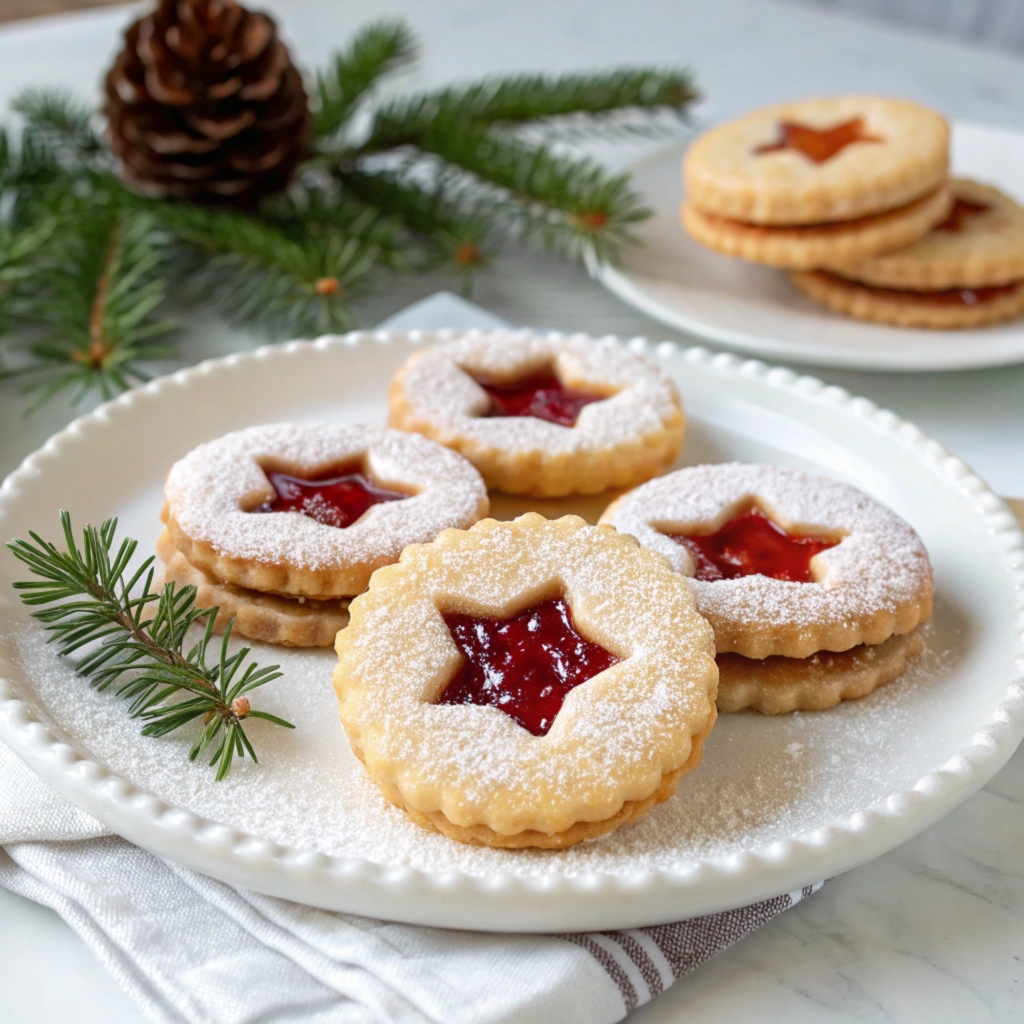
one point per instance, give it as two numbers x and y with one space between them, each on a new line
777 804
755 309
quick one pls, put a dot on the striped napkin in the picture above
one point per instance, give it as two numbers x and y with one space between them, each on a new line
192 950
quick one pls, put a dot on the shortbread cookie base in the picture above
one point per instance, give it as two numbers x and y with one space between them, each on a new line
481 835
777 686
266 617
985 249
725 176
905 308
633 435
210 492
817 245
875 582
617 737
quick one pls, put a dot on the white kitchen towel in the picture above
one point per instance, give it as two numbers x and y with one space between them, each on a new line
193 950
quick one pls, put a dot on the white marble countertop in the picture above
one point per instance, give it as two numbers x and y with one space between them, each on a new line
932 931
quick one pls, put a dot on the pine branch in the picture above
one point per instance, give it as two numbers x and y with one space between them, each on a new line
439 178
535 99
256 274
29 167
60 120
138 638
374 52
19 264
102 286
569 204
325 208
462 228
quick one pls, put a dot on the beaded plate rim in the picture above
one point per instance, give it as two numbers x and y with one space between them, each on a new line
574 902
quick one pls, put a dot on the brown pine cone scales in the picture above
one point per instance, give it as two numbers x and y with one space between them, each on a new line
204 103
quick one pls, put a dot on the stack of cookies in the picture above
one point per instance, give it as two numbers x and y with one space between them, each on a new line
271 524
966 272
851 194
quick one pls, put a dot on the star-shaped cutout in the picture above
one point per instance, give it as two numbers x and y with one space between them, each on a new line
335 500
542 396
525 665
752 545
818 144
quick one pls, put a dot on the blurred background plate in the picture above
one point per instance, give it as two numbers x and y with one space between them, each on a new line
755 309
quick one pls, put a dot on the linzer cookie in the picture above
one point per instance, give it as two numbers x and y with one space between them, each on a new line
817 182
777 685
527 684
816 245
279 525
270 618
968 271
542 415
786 566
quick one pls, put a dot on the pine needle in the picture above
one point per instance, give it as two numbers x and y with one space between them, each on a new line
536 100
374 52
98 297
569 204
136 640
290 283
61 120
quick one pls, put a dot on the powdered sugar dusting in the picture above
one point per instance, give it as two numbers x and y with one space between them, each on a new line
440 387
310 792
211 490
879 567
616 734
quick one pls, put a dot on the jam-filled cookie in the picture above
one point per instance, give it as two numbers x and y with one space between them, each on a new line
312 511
542 415
270 618
527 683
777 685
818 182
968 271
801 247
785 565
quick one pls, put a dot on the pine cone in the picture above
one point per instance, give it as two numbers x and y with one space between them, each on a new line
204 103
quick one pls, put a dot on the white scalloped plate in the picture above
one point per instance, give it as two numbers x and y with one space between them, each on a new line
777 803
755 309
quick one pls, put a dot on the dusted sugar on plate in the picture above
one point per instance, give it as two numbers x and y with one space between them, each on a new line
817 182
542 415
814 590
531 683
279 526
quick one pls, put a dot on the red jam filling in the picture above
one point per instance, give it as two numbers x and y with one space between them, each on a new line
749 545
961 210
523 666
542 396
335 500
818 144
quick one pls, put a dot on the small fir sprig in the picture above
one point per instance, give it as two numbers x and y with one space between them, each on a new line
140 640
437 179
96 304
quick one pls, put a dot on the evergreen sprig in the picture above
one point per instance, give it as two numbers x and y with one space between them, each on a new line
538 100
139 640
375 52
569 204
98 284
294 279
60 120
441 178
